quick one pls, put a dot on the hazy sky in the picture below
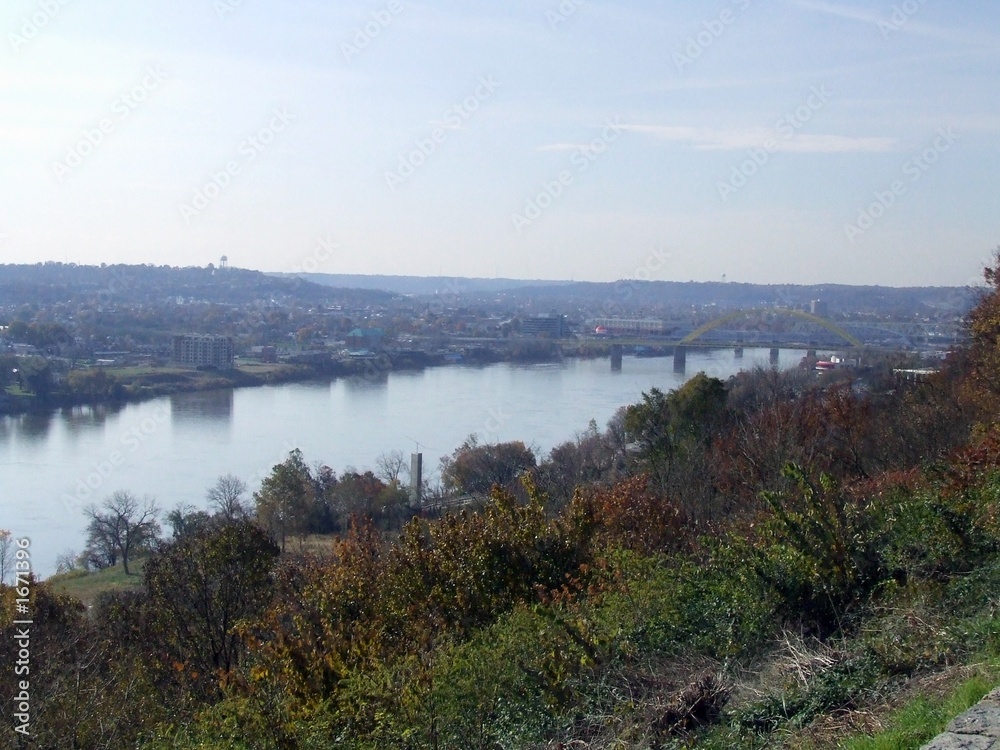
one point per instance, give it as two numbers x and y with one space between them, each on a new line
785 141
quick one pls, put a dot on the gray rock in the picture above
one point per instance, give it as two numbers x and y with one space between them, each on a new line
952 741
982 719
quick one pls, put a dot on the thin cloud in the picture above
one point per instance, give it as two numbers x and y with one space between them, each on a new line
841 11
912 24
704 139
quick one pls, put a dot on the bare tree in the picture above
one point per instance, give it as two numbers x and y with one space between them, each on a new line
67 561
6 554
225 497
389 466
121 525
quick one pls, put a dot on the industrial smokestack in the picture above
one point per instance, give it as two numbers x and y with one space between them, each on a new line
416 479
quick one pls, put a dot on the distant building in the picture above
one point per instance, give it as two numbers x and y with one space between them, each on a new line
203 350
364 338
266 354
551 325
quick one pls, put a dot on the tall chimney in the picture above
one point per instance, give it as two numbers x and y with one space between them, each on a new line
416 478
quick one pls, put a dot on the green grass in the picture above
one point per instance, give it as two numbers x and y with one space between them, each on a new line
259 368
87 586
925 717
139 371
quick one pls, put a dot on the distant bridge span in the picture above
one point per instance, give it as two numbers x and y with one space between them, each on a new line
833 328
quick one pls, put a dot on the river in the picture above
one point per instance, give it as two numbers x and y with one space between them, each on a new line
174 448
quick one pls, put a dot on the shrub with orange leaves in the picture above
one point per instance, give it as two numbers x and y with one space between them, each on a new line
629 514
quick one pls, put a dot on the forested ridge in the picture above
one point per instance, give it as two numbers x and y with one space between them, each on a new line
741 563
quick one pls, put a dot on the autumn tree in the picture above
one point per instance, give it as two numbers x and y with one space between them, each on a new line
35 375
359 495
983 326
475 468
201 586
185 519
590 458
670 428
121 525
285 497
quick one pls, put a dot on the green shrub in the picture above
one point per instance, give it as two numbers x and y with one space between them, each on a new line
844 685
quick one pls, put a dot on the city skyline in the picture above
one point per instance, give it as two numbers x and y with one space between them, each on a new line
793 142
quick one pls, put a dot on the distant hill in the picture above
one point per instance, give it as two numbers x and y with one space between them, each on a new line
49 283
838 298
669 295
422 285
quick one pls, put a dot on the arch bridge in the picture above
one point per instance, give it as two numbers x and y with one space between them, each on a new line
832 327
691 339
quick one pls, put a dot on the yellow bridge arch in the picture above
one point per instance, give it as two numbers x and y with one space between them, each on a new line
833 328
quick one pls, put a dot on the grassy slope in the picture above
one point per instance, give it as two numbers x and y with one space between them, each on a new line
86 586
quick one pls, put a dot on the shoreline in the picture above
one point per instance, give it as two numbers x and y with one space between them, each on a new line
127 385
138 384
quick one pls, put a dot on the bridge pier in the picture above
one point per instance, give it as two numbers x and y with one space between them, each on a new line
616 357
680 358
774 355
810 352
738 352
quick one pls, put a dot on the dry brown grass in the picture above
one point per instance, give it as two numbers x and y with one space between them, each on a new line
647 705
792 663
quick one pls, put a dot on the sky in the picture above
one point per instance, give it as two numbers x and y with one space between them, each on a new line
763 141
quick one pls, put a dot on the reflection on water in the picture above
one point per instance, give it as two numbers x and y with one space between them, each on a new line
376 381
202 405
313 385
33 428
80 418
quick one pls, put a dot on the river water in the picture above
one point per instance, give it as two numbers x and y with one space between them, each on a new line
174 448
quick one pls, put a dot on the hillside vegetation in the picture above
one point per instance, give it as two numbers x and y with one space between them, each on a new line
779 559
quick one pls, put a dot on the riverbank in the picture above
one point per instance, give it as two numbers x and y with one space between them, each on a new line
110 386
116 386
